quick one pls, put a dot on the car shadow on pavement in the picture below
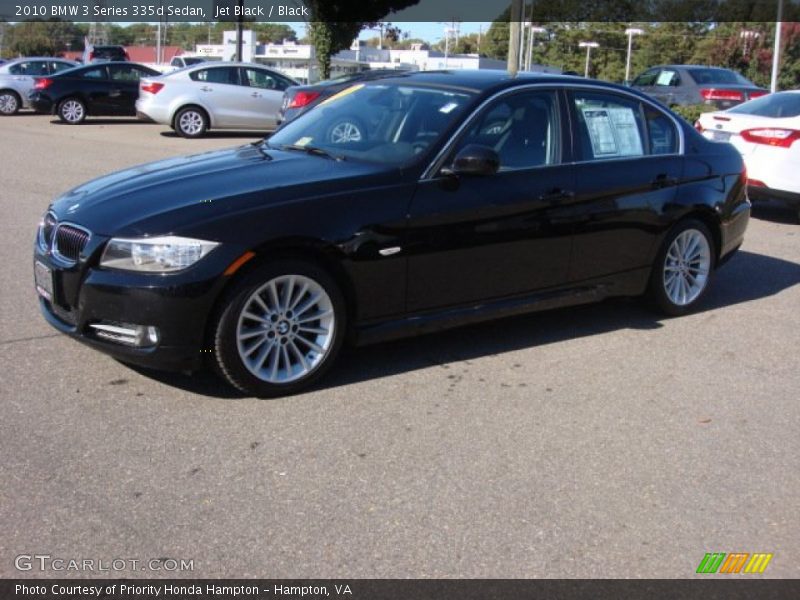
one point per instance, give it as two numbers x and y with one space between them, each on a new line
223 134
747 277
99 121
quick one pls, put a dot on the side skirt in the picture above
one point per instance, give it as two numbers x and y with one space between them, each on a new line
631 283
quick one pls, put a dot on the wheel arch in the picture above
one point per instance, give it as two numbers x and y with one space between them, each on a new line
711 220
314 251
179 106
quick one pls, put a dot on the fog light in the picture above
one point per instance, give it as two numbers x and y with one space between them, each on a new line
141 336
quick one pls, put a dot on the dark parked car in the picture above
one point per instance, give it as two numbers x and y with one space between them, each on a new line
472 196
301 98
683 85
105 89
105 53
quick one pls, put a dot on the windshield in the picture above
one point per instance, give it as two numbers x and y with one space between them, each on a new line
778 106
712 75
381 122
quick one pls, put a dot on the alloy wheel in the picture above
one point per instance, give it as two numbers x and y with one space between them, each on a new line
285 329
8 103
191 123
686 267
72 111
345 132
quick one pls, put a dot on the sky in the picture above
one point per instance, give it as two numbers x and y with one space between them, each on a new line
428 31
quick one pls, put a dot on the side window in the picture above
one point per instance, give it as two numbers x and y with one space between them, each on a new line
647 78
522 128
125 73
262 79
57 66
227 75
33 67
176 62
661 131
608 126
98 73
668 78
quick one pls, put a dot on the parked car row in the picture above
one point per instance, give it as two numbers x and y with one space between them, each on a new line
766 132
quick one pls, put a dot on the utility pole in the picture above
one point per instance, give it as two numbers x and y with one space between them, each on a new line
239 31
531 39
514 37
588 46
630 32
776 53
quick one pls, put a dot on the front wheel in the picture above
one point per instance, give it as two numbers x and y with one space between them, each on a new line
72 111
279 329
683 269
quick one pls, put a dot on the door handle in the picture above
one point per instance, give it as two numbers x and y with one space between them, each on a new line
114 93
663 180
556 195
205 88
256 95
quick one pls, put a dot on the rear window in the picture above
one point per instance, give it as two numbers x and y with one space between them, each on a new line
778 106
711 75
228 75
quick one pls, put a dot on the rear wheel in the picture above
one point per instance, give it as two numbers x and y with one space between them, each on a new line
9 103
72 111
279 329
683 269
191 122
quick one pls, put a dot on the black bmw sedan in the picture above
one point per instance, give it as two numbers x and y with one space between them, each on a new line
98 89
473 195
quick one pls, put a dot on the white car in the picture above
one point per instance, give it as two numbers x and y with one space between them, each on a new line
16 79
222 95
766 131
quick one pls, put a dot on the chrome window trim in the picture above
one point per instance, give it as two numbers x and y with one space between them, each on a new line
433 167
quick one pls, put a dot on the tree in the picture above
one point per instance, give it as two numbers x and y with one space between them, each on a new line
334 24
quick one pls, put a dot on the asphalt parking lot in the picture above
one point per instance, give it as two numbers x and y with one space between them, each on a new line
600 441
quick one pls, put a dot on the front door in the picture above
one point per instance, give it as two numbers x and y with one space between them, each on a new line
485 237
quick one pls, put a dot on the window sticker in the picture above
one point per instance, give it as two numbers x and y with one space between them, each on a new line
665 78
613 132
448 107
302 141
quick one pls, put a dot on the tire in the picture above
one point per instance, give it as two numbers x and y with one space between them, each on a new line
346 129
684 268
191 122
10 103
268 346
71 111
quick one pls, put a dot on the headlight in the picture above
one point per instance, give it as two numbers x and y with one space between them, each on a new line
155 255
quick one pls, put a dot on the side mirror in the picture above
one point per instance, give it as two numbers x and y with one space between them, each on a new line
476 160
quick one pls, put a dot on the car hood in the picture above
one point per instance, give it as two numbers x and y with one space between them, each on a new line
173 194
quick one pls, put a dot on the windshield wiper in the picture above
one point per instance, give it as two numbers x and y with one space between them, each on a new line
310 150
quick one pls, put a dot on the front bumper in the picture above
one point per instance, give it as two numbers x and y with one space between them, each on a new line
178 305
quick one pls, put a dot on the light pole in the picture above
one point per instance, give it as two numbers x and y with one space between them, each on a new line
630 32
588 46
776 53
532 32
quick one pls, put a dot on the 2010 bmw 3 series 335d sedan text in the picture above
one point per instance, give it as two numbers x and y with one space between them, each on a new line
469 196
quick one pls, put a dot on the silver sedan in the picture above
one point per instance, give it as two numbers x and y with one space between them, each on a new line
220 95
16 79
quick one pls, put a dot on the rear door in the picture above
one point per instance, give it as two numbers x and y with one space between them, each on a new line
124 88
265 93
220 89
627 166
93 86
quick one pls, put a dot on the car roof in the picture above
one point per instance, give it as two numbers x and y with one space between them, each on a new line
489 79
27 58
